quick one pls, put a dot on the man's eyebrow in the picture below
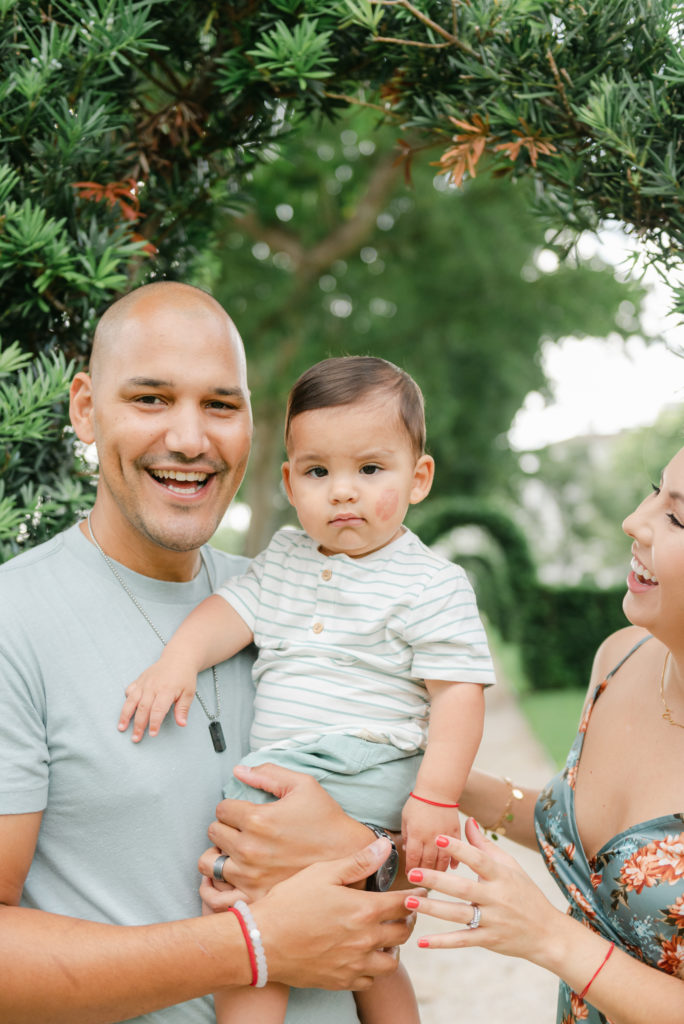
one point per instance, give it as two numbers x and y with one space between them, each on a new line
230 392
147 382
153 382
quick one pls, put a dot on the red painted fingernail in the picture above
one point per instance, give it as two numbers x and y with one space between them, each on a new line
423 943
411 902
442 841
415 875
476 824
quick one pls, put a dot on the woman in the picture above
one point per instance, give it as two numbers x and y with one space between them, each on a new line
610 826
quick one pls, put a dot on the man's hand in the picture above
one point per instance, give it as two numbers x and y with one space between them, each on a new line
318 933
267 843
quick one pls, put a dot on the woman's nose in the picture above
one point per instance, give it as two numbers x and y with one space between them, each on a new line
636 524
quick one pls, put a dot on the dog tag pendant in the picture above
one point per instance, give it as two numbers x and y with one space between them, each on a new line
217 737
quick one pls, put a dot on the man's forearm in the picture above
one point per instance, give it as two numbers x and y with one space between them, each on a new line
61 970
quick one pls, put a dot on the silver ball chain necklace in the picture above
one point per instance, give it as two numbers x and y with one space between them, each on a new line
215 729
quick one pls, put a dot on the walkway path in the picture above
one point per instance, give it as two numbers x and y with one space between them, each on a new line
475 986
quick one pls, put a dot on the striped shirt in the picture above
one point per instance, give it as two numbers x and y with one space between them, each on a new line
345 644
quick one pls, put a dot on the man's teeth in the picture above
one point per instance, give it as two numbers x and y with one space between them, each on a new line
174 474
642 573
179 482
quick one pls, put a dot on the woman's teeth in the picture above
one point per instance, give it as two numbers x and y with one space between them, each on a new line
642 573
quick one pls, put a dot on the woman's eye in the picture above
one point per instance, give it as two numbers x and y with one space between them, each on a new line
655 488
675 522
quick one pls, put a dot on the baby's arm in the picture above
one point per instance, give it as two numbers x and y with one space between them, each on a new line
456 723
211 633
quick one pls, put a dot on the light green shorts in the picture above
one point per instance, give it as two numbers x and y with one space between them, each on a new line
370 781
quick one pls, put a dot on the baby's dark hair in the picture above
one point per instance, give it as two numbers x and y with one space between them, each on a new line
345 380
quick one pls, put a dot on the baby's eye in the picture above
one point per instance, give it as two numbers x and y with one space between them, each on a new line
370 469
317 472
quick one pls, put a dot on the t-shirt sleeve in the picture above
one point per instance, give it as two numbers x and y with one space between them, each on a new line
445 631
243 593
24 754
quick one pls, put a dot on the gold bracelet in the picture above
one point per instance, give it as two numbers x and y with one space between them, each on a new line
507 815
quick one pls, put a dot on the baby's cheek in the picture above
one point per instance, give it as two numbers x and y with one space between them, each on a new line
387 505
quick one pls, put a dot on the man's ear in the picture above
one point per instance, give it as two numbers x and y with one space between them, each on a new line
285 470
423 475
81 407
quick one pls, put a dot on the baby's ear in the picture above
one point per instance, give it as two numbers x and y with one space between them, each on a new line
423 475
285 470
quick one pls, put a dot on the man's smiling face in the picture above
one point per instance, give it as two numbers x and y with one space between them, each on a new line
170 416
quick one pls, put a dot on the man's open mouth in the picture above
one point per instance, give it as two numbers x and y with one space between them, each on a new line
179 481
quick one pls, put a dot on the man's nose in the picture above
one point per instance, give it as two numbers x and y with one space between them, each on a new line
186 433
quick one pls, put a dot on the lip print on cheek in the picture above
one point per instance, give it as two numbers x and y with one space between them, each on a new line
387 505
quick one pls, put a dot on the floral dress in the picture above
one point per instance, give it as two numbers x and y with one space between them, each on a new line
632 891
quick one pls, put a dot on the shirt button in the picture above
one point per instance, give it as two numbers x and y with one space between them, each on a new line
318 627
326 574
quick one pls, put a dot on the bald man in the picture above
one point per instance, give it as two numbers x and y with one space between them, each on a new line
100 838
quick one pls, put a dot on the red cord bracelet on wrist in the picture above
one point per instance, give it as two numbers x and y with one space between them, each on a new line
598 971
248 943
433 803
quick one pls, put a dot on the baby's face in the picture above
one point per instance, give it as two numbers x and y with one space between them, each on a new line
351 475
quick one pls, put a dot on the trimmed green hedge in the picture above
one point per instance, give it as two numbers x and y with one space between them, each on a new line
557 628
563 628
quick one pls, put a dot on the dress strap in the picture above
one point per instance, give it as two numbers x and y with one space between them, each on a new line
629 654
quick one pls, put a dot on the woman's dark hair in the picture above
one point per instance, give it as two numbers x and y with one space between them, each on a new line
346 380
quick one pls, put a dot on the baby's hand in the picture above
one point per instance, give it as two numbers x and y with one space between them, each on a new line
151 696
421 823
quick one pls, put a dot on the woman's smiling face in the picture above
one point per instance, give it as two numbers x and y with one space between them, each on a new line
655 595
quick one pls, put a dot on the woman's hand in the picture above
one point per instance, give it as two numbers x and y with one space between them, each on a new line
515 917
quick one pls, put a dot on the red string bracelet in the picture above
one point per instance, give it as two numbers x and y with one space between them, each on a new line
433 803
248 942
598 971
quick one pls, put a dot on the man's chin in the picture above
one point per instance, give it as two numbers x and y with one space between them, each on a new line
181 538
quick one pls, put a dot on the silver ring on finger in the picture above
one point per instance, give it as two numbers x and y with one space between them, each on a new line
217 870
474 922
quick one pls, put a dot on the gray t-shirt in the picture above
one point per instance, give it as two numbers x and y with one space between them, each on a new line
123 824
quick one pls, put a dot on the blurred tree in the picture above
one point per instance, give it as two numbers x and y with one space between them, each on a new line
42 482
128 120
573 502
337 255
124 124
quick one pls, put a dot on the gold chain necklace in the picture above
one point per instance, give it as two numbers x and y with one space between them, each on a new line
667 714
